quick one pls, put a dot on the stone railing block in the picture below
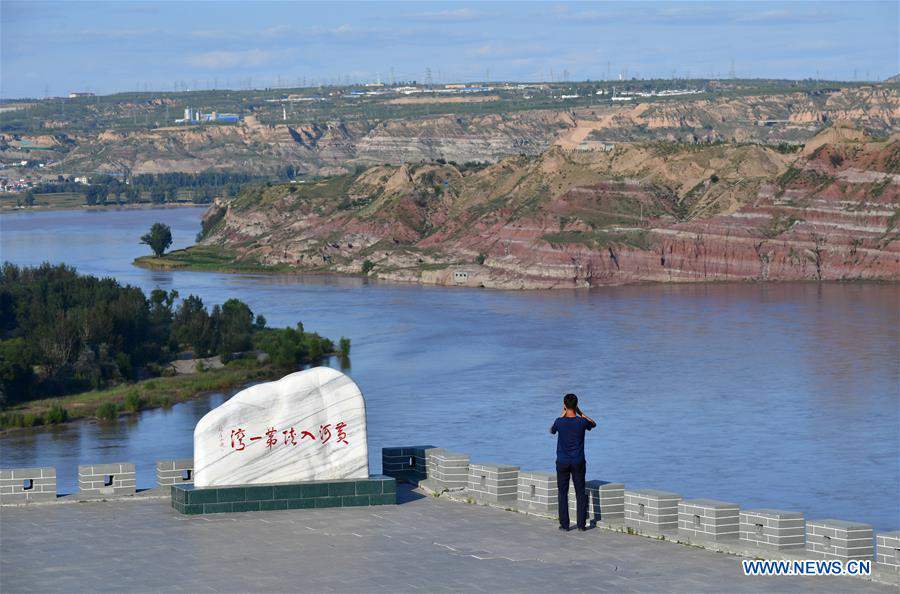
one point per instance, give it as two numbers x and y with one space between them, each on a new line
446 470
837 539
106 480
887 547
493 483
174 472
708 519
772 528
606 501
537 492
404 462
651 511
27 485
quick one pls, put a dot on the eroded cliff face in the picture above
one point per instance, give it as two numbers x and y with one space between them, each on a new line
668 213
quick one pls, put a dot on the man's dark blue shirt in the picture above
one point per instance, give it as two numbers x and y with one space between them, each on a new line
570 443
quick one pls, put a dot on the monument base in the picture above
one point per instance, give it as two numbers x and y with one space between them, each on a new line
375 490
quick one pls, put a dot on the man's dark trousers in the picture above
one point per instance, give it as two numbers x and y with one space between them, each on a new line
577 471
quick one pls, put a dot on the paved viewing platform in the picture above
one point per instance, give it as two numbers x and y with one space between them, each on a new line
424 544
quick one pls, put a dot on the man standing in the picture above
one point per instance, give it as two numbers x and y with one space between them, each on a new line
570 459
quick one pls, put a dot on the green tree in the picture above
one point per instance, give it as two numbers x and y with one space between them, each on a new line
235 327
159 238
191 326
286 347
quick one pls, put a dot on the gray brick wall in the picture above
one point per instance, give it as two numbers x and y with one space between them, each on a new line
175 472
837 539
606 501
106 480
651 511
25 485
537 492
773 528
708 519
446 470
493 483
887 545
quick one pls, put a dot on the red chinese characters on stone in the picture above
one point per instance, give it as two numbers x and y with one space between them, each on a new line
270 434
290 436
341 435
237 439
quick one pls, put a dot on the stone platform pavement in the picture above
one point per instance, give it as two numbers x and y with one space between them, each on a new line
422 545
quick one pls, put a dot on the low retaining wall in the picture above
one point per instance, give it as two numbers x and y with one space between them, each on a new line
606 502
104 480
651 512
26 485
175 472
772 528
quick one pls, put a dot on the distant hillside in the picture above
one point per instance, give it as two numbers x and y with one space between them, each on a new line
580 217
320 141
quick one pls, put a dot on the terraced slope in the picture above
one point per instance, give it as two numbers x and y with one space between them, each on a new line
566 218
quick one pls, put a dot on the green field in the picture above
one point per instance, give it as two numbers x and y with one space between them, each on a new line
57 200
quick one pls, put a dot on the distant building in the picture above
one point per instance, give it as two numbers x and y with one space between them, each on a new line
77 94
194 117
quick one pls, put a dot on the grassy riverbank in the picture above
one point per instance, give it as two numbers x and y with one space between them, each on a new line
132 397
206 258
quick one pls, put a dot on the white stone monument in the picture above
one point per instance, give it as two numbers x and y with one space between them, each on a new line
309 425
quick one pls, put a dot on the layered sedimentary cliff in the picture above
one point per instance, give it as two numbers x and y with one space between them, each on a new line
566 218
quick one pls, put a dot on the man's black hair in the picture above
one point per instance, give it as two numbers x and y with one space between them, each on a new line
571 401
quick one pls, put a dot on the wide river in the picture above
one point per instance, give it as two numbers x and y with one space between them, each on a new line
768 395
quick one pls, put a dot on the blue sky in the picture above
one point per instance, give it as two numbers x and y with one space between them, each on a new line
56 47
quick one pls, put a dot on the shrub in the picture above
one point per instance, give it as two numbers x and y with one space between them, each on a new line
479 259
344 346
108 411
367 266
133 401
56 414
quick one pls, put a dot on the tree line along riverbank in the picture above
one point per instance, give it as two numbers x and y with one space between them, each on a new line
75 346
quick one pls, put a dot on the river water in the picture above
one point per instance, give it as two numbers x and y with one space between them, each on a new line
776 395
